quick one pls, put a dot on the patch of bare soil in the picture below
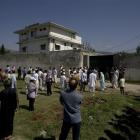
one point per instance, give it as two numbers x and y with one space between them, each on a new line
133 89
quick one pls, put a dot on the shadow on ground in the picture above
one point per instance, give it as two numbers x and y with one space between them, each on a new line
24 107
127 126
40 138
42 93
22 92
137 98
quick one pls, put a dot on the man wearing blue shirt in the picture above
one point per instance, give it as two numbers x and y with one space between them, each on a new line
71 101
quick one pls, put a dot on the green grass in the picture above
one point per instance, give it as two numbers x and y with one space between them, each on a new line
97 114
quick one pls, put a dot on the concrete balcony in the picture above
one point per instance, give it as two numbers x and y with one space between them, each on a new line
64 38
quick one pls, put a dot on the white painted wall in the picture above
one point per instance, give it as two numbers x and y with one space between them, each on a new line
37 32
61 44
34 46
43 32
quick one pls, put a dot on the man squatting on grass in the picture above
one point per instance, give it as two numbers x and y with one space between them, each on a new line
71 100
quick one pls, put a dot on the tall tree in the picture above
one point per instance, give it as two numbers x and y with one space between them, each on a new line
2 49
138 50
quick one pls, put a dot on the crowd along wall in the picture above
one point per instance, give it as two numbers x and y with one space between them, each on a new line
68 58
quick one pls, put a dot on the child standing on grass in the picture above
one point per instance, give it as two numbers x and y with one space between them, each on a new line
122 84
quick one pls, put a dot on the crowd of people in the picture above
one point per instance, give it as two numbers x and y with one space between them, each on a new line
41 79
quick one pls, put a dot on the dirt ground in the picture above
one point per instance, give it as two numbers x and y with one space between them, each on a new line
129 88
133 88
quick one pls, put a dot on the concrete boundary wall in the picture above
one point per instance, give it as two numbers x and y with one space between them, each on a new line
132 74
132 64
71 58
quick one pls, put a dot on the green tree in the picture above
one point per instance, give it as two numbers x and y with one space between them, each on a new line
2 50
138 50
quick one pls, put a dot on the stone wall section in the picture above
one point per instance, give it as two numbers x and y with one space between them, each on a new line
45 60
132 64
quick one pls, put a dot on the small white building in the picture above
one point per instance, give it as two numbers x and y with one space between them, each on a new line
47 37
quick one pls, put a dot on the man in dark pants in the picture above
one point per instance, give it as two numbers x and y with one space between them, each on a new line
19 73
9 102
71 100
49 85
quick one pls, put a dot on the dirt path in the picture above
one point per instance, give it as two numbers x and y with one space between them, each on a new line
133 88
129 88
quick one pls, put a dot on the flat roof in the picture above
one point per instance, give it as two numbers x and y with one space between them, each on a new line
36 25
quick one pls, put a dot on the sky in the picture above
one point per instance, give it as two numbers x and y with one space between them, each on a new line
108 25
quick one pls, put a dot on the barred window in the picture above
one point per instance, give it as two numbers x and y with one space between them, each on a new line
43 47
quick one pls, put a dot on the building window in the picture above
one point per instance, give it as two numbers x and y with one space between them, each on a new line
24 49
65 44
43 47
42 29
52 40
24 34
33 33
57 47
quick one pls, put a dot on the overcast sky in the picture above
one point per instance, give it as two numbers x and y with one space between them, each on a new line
108 25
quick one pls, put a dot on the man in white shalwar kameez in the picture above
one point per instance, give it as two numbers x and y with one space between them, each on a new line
40 77
115 78
92 81
13 80
35 75
27 80
63 81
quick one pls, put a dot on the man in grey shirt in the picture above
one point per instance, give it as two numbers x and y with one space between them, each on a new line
71 100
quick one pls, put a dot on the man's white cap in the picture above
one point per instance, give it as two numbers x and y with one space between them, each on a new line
75 72
63 73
